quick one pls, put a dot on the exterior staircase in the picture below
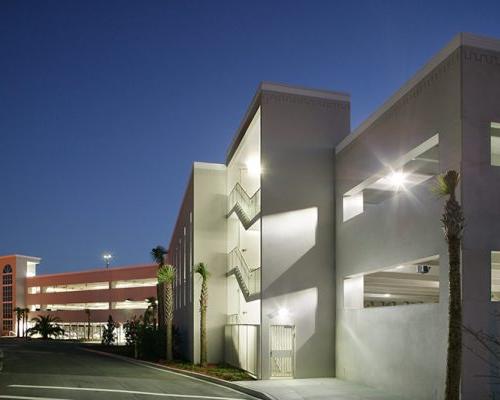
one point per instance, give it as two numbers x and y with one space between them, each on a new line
246 207
248 278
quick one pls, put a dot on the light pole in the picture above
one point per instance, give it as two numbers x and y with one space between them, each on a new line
107 259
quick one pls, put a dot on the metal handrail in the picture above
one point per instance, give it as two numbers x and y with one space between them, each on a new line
250 276
250 205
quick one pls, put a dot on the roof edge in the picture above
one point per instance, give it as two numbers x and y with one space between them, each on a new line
209 165
461 39
85 271
268 86
21 256
304 91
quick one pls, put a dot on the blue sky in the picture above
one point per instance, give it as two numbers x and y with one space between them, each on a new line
104 105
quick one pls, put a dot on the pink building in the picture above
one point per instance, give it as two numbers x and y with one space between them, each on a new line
120 292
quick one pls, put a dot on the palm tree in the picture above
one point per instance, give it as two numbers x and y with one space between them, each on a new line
160 295
46 326
108 333
166 275
19 315
453 225
203 271
25 315
87 311
152 307
158 254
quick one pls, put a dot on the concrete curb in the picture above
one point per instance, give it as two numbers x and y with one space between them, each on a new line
191 374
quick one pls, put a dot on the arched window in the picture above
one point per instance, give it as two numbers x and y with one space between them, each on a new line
7 269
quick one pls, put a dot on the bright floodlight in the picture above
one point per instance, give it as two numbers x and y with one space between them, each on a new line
397 179
107 259
283 313
253 166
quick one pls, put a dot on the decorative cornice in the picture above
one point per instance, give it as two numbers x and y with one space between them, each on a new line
282 98
278 88
472 55
432 78
462 39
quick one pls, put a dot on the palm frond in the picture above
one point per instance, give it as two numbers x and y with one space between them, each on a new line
151 302
202 269
166 274
46 326
446 183
158 254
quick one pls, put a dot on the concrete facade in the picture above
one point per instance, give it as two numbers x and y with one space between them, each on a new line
480 63
120 292
199 236
456 96
266 241
324 245
351 254
411 339
14 270
299 134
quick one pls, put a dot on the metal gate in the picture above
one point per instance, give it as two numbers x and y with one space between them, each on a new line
282 350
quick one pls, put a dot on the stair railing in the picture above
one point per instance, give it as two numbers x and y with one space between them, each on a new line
249 276
250 205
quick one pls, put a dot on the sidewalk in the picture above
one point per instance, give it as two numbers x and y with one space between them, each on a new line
316 389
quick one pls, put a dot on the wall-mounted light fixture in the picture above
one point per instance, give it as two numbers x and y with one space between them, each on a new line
283 313
397 179
253 166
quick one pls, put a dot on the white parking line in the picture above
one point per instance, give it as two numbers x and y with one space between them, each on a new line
188 396
6 396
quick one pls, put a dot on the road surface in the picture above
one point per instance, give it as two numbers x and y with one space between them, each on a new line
53 370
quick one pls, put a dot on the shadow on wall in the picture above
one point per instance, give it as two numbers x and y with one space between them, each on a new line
288 237
482 349
298 285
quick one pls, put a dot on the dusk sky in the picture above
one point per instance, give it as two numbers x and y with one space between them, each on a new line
104 105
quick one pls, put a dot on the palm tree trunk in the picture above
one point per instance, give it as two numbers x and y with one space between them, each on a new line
18 323
169 314
454 360
160 291
155 312
203 323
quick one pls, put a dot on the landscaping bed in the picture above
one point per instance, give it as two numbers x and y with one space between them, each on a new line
221 371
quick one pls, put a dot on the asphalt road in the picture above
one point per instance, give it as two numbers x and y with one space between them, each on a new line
63 371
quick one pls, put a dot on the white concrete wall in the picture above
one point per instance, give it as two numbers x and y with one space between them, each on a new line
180 255
400 349
20 277
481 200
299 134
247 153
210 230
